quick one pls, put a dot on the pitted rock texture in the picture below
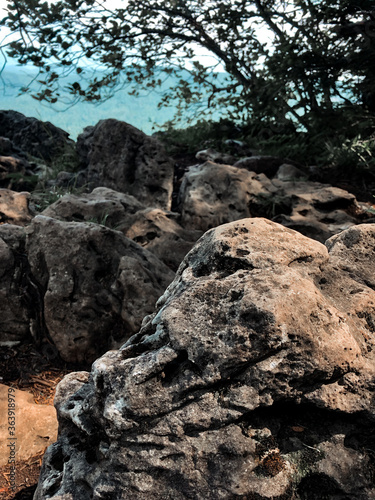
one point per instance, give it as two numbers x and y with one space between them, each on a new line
119 156
155 229
42 140
17 295
213 194
254 378
96 285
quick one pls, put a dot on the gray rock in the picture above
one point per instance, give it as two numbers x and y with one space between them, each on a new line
16 291
155 229
250 380
267 165
121 157
215 156
39 139
96 284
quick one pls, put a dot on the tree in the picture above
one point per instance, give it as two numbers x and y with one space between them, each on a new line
285 61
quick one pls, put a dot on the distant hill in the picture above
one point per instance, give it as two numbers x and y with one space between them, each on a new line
141 112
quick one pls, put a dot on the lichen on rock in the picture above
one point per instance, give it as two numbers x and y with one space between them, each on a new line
253 378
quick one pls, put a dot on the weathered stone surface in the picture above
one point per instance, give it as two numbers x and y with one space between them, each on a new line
35 426
121 157
152 228
102 205
96 285
14 207
267 165
159 232
254 378
16 292
39 139
215 156
316 210
213 194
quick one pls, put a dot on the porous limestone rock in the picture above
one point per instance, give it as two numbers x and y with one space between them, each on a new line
39 139
159 232
14 207
316 210
96 285
121 157
213 194
155 229
35 426
103 206
254 378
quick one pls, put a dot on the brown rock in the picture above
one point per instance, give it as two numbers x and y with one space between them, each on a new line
35 426
213 194
14 207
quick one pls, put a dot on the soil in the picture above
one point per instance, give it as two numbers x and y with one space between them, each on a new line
24 368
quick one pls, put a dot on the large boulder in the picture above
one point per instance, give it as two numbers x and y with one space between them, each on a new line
155 229
17 295
96 285
39 139
213 194
121 157
254 378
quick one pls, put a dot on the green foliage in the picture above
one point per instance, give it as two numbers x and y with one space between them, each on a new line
201 135
289 61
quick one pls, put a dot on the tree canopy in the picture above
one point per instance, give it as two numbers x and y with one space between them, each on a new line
296 61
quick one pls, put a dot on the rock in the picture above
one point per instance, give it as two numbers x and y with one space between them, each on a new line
17 295
39 139
121 157
155 229
35 426
213 194
288 172
96 284
14 207
267 165
159 232
102 205
251 379
214 156
17 174
317 210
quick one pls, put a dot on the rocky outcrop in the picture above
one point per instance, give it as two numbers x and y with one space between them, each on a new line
155 229
15 304
39 139
121 157
14 207
213 194
96 285
254 378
